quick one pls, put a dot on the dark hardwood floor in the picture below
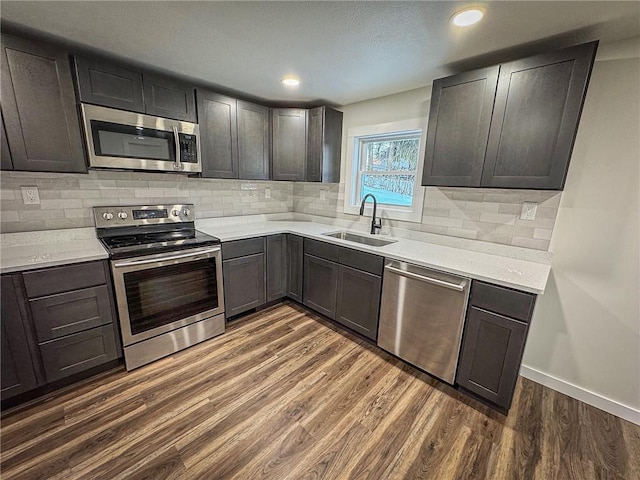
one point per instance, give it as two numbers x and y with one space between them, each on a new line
285 395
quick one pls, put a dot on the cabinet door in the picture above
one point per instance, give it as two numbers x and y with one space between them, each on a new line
535 119
289 144
253 141
320 285
324 144
243 284
490 357
166 97
218 135
18 375
358 301
109 85
295 262
459 120
276 267
79 352
5 159
39 107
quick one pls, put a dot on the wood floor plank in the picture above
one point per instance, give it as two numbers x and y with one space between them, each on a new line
286 394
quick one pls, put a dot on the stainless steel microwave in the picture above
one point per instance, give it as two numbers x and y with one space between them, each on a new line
119 139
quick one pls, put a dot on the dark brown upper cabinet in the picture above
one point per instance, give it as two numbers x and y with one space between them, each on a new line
535 114
324 144
170 98
5 159
535 119
288 158
109 85
234 137
39 107
459 120
253 141
218 135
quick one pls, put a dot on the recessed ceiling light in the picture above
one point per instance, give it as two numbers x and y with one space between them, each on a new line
467 17
290 81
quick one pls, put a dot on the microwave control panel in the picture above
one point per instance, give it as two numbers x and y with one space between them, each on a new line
188 148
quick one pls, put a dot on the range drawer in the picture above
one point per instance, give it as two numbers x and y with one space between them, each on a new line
50 281
511 303
241 248
76 353
71 312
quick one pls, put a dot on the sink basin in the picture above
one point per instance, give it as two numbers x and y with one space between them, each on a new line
354 237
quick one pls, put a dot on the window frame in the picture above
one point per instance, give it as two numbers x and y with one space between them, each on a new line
353 174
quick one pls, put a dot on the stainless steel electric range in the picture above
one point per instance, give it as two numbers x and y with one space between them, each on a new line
167 278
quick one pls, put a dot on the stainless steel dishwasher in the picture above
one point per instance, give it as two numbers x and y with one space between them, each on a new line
421 317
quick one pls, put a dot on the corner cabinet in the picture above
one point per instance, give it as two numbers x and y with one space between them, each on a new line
289 144
493 342
39 108
508 126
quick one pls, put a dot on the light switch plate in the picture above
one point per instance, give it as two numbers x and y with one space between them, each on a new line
267 192
323 194
30 195
529 210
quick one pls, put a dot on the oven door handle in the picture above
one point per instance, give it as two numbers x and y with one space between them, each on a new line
200 253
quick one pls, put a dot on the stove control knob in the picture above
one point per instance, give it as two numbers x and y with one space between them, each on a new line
175 213
107 215
122 215
186 212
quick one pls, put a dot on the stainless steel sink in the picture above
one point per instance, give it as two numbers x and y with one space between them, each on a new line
354 237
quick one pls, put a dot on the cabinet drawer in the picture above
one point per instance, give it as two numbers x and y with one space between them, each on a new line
511 303
362 261
78 352
72 312
63 279
241 248
321 249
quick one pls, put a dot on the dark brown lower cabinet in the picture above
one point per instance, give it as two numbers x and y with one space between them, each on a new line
491 353
244 283
320 285
18 365
276 267
78 352
358 303
295 259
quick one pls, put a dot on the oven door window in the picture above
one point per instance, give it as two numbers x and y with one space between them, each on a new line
160 296
127 141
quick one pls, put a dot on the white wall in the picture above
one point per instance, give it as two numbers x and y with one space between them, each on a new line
585 333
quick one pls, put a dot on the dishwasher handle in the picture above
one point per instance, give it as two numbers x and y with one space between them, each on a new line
434 281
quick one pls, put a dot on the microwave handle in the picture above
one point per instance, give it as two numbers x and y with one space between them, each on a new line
178 164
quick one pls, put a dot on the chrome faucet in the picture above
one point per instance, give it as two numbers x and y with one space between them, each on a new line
374 225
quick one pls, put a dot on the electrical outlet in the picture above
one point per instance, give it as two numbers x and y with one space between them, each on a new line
267 193
529 210
30 195
323 194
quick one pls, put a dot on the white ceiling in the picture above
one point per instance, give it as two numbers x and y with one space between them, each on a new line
343 52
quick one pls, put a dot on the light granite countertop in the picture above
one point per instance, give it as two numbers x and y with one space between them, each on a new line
522 274
48 248
503 265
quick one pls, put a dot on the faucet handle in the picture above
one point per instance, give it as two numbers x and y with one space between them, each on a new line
376 226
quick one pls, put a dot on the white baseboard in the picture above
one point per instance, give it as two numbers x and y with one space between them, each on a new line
603 403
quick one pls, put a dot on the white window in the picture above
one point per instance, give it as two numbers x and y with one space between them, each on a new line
386 161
